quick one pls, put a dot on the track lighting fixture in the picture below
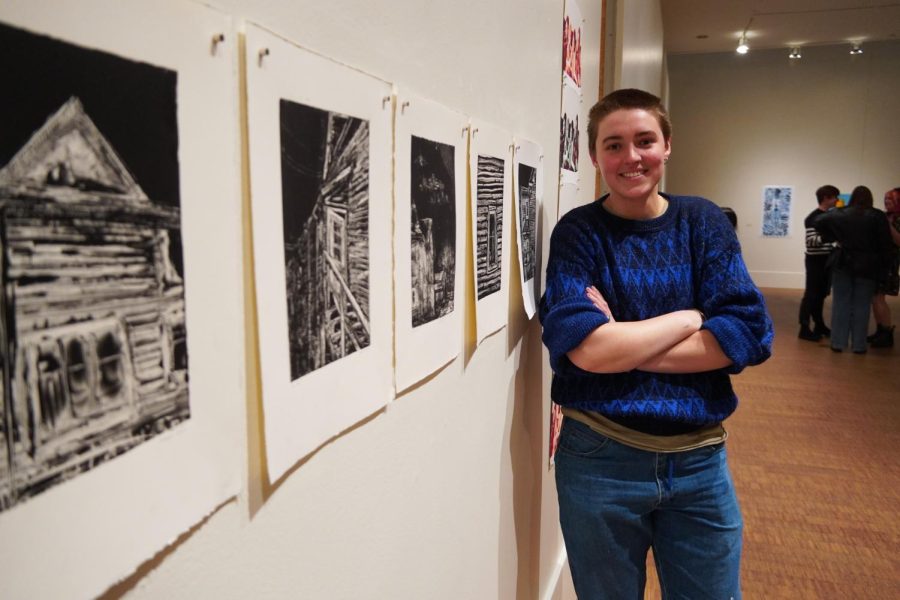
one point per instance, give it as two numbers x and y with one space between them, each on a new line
795 53
742 43
855 48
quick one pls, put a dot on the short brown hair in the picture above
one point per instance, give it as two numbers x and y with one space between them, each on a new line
827 191
625 99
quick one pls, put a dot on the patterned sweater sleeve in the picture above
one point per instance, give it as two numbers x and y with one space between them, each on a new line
566 315
735 309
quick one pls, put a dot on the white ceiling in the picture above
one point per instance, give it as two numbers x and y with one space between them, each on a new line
775 23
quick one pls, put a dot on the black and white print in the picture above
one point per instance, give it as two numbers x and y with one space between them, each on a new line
568 142
489 224
92 314
325 202
433 229
527 181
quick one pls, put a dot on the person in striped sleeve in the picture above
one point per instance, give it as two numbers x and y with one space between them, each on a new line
818 278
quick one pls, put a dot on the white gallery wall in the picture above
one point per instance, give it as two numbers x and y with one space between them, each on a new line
446 493
553 567
639 47
744 122
634 50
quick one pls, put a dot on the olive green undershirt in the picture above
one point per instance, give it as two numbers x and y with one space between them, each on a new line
706 436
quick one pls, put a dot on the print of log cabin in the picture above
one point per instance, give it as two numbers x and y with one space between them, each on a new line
93 321
489 224
327 267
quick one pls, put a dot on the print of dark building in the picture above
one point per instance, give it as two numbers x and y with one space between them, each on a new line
527 183
433 229
568 142
325 201
92 314
489 224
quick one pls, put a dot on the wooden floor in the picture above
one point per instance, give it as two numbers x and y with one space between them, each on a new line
815 453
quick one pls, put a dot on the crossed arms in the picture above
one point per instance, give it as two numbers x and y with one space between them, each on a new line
670 343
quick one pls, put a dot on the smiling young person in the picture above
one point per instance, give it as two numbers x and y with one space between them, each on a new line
648 308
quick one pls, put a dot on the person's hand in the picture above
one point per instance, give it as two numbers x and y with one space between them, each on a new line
594 295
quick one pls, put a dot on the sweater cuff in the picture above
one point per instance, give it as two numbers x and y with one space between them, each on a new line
565 327
737 342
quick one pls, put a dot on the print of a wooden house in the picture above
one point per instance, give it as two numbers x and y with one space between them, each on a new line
489 224
328 267
93 319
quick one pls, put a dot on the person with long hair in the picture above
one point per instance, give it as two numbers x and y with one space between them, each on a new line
884 326
648 308
858 264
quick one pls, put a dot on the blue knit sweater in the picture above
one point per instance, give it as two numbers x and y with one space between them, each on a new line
689 257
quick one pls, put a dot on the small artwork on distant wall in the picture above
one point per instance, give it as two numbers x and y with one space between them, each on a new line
527 182
571 64
776 210
489 225
569 134
325 201
94 345
568 141
433 229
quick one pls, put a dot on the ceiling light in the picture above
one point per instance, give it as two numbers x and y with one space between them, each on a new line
795 53
742 43
856 48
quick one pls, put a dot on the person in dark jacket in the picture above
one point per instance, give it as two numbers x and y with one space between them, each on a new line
884 334
858 265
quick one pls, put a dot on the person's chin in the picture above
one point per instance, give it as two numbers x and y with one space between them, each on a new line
636 189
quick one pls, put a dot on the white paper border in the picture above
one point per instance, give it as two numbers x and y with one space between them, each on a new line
303 414
491 312
530 154
424 349
80 537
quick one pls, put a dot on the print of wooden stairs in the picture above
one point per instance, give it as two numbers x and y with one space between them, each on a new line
346 325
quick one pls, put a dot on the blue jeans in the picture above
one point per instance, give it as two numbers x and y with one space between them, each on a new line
850 306
616 502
